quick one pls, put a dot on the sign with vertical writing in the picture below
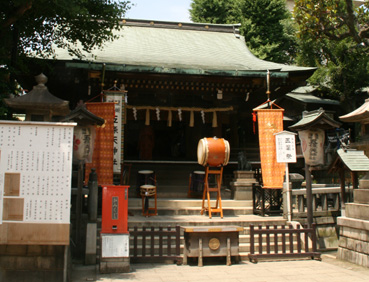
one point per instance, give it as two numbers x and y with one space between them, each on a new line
117 98
35 171
285 147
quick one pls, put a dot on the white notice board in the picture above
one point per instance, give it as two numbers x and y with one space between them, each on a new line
114 245
286 147
35 171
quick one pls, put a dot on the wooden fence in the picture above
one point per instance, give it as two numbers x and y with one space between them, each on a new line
157 244
281 242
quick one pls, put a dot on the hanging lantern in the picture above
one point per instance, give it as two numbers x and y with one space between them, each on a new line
192 119
215 121
170 118
147 120
83 143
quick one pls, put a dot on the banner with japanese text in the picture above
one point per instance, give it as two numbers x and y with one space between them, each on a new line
102 158
117 98
270 121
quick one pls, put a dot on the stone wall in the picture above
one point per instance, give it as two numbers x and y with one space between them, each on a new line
32 263
354 227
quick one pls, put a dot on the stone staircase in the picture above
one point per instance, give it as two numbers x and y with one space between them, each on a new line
171 207
186 212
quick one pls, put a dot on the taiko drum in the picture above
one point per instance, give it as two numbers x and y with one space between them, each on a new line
213 152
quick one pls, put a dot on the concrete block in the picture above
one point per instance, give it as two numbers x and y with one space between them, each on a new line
118 265
31 276
361 196
13 250
364 183
352 256
244 174
7 262
327 237
354 228
325 220
91 237
36 250
354 234
359 211
25 263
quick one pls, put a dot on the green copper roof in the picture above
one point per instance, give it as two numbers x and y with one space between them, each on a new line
354 160
309 98
315 119
189 48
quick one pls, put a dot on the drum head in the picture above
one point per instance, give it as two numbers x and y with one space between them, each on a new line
202 152
227 152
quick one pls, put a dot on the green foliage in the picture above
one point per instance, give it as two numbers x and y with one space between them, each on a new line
35 27
214 11
265 24
332 36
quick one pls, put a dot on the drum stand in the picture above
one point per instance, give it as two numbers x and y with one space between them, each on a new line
218 203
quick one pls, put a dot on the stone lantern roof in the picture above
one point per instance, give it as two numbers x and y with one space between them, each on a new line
39 100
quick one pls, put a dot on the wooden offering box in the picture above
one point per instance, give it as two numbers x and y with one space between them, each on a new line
211 241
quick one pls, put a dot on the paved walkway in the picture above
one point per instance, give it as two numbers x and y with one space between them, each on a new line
329 269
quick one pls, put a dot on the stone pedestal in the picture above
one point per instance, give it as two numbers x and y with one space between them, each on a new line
354 227
241 185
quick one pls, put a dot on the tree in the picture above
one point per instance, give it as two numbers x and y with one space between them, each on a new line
333 36
265 24
336 20
36 26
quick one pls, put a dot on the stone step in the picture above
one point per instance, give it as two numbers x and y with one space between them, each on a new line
203 220
187 203
361 196
358 211
193 211
189 206
175 192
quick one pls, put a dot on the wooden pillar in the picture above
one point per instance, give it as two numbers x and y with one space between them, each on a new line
343 191
355 183
309 196
79 206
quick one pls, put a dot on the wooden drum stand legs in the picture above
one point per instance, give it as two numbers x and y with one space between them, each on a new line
218 172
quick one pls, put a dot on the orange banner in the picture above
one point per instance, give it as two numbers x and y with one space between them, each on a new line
270 121
102 158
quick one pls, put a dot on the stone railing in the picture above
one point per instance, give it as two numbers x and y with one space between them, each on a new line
326 200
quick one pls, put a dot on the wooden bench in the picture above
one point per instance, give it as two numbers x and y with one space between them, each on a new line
211 241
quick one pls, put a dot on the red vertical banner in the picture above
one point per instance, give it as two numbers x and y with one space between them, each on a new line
270 121
102 158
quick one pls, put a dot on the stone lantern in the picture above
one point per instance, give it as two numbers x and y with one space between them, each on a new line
39 104
311 133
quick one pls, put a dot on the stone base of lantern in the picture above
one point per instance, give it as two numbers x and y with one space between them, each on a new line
242 184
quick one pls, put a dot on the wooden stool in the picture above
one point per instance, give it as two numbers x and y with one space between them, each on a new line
148 191
145 177
196 184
